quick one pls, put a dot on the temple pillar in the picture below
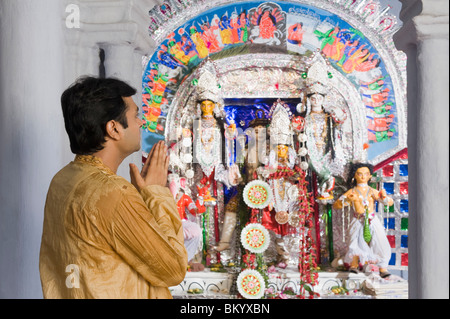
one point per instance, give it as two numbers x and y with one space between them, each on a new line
429 275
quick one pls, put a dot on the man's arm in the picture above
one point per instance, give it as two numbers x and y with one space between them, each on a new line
148 235
155 232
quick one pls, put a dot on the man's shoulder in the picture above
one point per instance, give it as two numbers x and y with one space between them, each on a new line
86 180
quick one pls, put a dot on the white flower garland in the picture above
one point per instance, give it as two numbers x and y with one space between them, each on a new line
257 194
251 284
255 238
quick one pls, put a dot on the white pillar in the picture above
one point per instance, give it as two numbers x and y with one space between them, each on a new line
432 237
33 142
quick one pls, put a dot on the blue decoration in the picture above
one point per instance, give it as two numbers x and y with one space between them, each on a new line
404 206
403 170
389 223
404 241
393 258
389 187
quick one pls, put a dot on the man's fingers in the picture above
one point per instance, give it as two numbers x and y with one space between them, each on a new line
150 155
166 166
151 158
135 176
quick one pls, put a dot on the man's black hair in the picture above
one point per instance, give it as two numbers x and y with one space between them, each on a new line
88 105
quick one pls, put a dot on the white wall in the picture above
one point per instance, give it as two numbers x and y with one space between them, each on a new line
33 143
39 58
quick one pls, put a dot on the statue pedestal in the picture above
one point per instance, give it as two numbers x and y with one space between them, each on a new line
221 285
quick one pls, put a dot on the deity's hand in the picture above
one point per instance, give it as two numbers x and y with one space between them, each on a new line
357 202
352 197
234 175
155 169
383 194
338 115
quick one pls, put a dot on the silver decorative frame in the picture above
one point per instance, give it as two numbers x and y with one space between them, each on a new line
348 10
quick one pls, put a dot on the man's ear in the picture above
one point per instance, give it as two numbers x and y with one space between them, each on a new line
113 130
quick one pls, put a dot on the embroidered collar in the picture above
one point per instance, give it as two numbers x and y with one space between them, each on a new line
94 161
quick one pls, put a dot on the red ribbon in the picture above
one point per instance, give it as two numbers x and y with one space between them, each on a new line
216 211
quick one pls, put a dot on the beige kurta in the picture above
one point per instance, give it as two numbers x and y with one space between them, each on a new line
104 239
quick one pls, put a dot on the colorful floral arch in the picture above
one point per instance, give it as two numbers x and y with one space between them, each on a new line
353 36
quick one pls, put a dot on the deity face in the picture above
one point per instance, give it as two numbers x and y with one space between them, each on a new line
282 151
207 107
316 102
362 175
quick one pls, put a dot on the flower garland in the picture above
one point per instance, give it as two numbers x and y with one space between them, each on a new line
307 257
304 223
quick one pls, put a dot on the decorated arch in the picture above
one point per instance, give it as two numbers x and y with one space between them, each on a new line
262 55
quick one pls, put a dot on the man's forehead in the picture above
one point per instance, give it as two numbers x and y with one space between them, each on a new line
129 102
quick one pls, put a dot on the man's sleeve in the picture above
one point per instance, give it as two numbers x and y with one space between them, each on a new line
148 234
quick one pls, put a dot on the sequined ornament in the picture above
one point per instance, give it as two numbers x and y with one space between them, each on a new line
257 194
255 238
318 78
366 232
282 217
251 284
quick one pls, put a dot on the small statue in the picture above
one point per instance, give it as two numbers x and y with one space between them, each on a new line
367 239
280 174
191 230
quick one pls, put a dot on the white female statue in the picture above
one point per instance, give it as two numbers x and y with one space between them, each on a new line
319 143
207 164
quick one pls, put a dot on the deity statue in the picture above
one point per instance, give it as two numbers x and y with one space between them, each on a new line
320 147
367 241
204 153
191 230
257 145
283 217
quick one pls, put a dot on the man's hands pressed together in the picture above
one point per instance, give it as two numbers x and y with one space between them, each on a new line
155 169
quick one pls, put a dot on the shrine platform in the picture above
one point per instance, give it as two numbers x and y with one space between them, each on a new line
222 285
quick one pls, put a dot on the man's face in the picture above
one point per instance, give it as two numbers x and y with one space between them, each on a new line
362 175
132 134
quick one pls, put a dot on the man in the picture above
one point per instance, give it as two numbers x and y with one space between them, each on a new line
104 237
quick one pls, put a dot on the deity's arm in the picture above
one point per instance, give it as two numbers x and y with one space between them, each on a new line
338 114
343 201
229 177
381 196
350 198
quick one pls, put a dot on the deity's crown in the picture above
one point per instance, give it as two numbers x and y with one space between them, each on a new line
318 77
280 126
207 82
